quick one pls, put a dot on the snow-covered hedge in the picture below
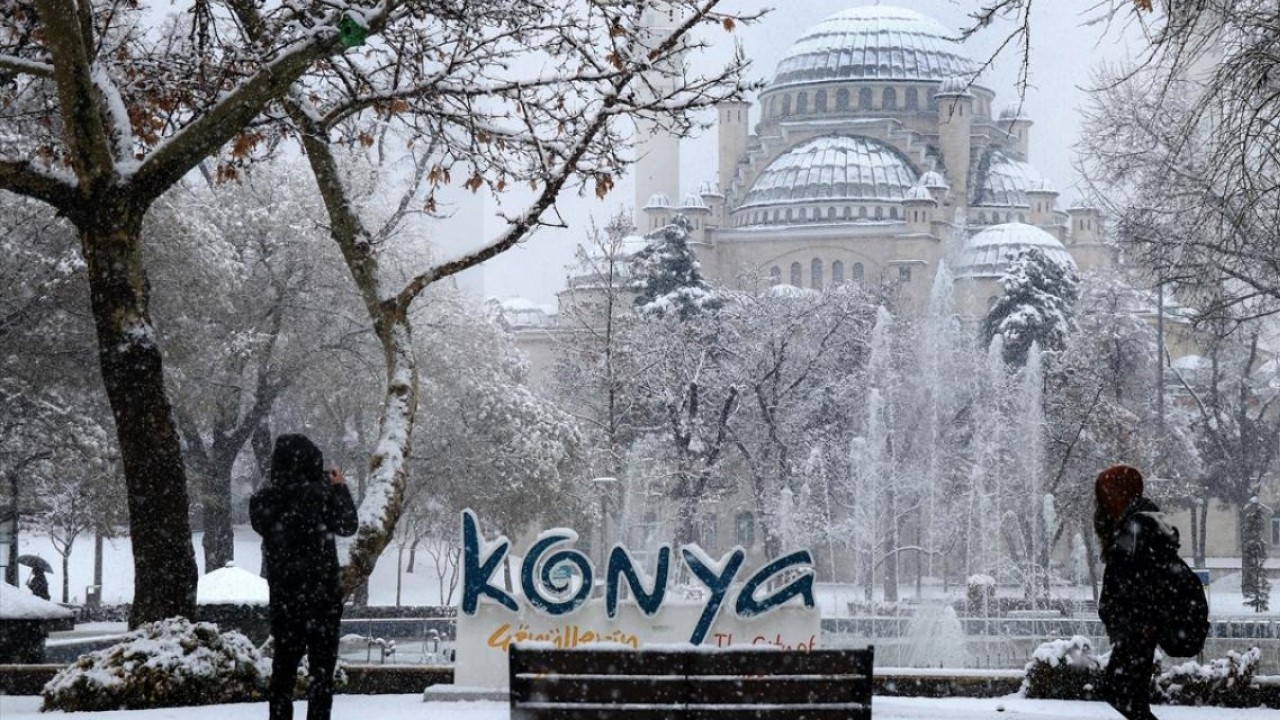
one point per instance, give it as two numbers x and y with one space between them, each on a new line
1063 670
1225 681
1070 670
168 663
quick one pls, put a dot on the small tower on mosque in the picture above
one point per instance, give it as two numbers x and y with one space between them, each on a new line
657 152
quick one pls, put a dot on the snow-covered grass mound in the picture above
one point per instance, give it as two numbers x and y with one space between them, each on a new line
1063 670
170 663
1224 681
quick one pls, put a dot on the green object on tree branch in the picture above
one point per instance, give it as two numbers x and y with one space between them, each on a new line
351 32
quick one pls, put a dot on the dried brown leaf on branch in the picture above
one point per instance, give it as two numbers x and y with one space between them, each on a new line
729 24
1144 5
604 183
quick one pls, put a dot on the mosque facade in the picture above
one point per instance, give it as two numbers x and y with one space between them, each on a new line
876 156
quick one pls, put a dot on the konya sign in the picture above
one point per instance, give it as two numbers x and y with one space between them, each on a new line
773 605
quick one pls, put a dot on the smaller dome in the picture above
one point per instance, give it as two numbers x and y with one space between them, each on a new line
710 189
1042 186
659 200
934 179
955 85
693 201
1004 180
990 252
919 193
1013 111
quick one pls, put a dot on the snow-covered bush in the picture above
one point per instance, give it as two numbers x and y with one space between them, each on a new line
168 663
1063 670
1225 681
981 594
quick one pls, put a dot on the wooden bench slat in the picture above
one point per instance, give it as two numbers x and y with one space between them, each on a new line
701 690
727 684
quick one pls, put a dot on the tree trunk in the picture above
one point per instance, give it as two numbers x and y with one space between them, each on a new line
11 563
1203 508
215 504
891 545
66 577
97 572
133 374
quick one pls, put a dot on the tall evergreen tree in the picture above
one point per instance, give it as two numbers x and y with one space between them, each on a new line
1036 306
670 276
1253 580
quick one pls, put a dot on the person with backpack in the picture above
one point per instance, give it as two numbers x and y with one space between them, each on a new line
298 514
1149 595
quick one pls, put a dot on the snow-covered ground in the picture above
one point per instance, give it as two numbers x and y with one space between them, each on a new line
411 707
422 586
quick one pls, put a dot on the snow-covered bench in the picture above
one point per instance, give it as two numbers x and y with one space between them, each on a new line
549 684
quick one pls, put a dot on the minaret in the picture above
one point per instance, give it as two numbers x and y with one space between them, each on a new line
657 168
733 132
955 121
1018 126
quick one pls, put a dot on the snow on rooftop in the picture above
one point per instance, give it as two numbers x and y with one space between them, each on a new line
989 253
834 167
19 604
878 42
232 585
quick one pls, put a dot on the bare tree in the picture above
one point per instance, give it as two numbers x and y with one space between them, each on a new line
105 115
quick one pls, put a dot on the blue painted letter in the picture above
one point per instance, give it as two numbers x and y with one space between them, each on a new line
748 606
534 593
620 566
476 573
718 584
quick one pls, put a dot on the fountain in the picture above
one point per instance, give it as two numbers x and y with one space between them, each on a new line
934 638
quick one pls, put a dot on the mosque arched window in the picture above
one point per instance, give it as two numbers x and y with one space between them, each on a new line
842 100
865 99
1022 218
773 107
775 275
802 103
911 99
890 99
788 214
795 275
847 212
786 106
815 272
982 218
879 212
837 273
831 213
862 212
893 212
855 272
820 101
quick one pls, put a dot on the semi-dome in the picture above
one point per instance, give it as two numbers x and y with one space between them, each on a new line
874 43
1004 181
990 252
834 168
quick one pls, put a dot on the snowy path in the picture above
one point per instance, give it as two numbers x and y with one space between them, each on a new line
411 707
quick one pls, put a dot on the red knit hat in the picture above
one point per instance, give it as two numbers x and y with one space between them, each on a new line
1116 487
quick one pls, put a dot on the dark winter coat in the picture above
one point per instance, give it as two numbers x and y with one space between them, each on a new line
298 514
38 584
1136 585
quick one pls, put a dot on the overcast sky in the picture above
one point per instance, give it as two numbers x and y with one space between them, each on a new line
1064 51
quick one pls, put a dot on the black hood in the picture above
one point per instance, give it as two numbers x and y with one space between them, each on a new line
296 460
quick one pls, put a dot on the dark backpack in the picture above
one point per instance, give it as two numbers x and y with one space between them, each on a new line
1186 621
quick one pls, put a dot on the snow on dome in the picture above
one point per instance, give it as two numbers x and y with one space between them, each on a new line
232 585
955 85
990 252
694 201
784 291
1013 111
658 200
833 167
919 192
1003 181
19 604
934 179
878 42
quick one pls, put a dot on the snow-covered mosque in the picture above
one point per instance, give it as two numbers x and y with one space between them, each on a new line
876 155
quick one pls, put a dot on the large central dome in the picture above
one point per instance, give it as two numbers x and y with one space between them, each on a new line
874 43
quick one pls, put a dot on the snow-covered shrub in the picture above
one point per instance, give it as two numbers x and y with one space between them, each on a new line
981 594
1063 670
1225 681
168 663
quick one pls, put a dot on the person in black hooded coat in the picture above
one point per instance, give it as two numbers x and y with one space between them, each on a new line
1136 545
298 514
